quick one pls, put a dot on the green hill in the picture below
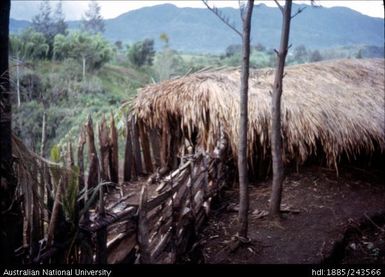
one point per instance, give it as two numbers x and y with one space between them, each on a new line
199 30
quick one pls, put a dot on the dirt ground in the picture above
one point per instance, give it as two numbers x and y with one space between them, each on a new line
329 219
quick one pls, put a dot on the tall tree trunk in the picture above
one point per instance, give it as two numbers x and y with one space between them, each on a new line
11 233
242 149
276 138
5 107
84 67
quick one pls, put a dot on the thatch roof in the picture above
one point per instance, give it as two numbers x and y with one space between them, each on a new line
338 105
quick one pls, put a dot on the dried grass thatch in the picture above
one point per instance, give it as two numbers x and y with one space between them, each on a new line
338 105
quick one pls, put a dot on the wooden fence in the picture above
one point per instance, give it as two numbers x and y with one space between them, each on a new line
161 228
77 225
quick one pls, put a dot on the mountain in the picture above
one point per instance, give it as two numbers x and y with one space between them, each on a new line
15 26
199 30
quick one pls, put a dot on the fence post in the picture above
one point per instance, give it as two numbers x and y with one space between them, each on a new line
114 158
145 148
136 148
128 158
104 145
93 172
154 141
101 234
82 141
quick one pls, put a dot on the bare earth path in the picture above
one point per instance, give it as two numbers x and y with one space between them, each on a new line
321 209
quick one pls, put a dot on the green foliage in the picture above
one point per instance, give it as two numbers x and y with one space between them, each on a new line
55 154
55 170
70 196
49 25
78 45
168 62
93 21
142 53
300 54
359 54
233 49
164 37
29 45
315 56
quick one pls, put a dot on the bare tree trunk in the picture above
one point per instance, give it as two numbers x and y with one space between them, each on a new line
242 150
114 165
276 138
11 233
84 67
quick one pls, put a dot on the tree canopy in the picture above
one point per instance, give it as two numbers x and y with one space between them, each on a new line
92 21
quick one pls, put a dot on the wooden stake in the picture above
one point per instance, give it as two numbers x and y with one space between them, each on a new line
136 148
145 256
164 145
145 148
128 157
82 141
104 149
93 172
114 159
155 146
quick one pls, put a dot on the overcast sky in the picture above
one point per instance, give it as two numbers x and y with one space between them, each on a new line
110 9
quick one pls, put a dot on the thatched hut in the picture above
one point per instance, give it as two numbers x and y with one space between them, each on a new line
334 107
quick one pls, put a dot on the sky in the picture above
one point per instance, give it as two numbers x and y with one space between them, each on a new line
110 9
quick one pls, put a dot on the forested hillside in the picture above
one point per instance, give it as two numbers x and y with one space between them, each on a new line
198 30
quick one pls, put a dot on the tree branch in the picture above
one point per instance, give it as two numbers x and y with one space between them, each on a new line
221 17
298 12
279 5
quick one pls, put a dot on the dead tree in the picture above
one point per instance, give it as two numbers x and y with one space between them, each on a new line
246 13
276 136
242 150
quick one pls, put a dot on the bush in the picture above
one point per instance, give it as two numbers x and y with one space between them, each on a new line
142 53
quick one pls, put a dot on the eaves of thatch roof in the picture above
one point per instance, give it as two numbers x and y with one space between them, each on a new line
338 105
